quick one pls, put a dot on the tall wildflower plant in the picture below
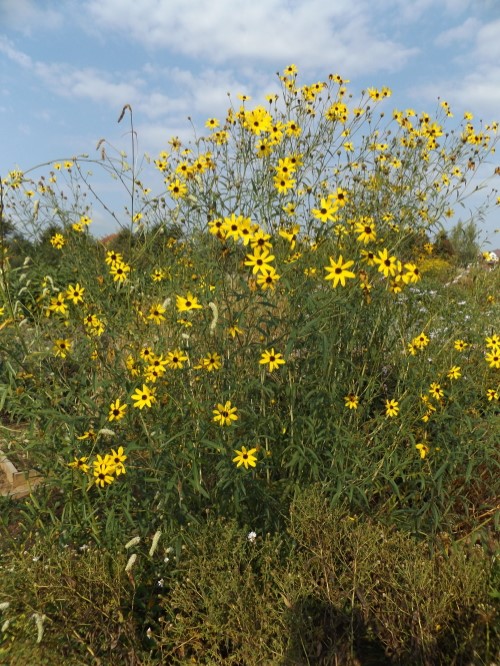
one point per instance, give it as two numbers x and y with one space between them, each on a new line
260 322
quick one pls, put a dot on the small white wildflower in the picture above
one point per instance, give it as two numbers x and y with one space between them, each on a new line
252 537
160 583
149 632
39 620
166 559
215 317
130 563
106 431
133 542
154 545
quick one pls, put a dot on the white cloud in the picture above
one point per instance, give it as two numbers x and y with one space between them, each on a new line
313 33
488 42
29 16
466 32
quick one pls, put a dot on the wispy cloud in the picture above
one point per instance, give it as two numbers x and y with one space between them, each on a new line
315 33
29 16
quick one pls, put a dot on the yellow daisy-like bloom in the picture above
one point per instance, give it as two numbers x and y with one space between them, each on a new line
62 347
158 275
454 372
225 414
386 264
326 211
75 293
259 260
103 473
412 274
118 458
338 272
493 358
119 271
460 345
366 230
267 278
176 359
177 189
423 449
234 330
57 304
492 394
436 391
117 410
80 463
493 341
113 257
420 341
245 457
391 408
272 358
156 313
351 401
190 302
211 362
143 397
57 241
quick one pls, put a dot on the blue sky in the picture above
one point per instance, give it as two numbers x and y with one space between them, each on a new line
68 67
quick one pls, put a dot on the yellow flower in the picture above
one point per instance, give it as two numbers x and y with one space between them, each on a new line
116 410
493 358
177 189
454 372
423 449
436 391
156 313
113 257
57 241
211 362
225 414
391 408
103 472
119 271
234 330
62 347
80 463
366 230
259 260
386 264
492 394
326 211
272 358
493 341
351 401
57 304
420 341
267 278
176 359
143 397
460 345
190 302
338 272
246 458
118 458
75 293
